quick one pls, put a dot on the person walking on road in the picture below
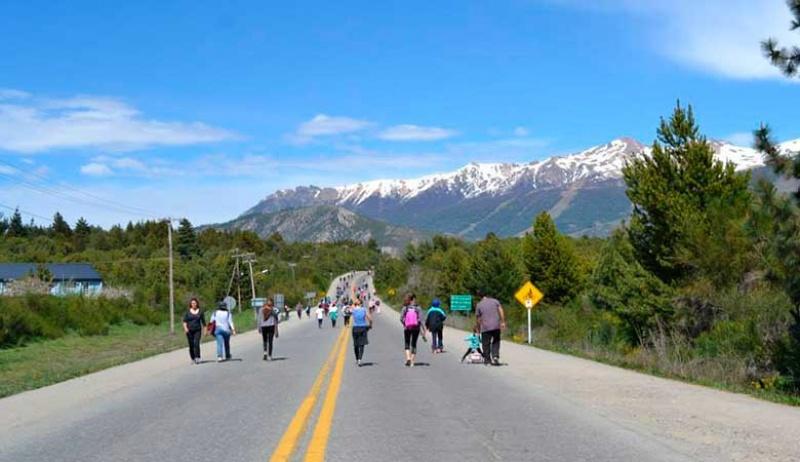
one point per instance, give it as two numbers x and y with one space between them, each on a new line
491 320
299 309
362 323
434 322
411 319
194 320
267 323
348 311
223 329
320 315
334 314
473 343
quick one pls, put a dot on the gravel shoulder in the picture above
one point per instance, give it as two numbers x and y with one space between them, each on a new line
708 424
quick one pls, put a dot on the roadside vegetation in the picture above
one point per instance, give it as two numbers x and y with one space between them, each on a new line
700 284
46 339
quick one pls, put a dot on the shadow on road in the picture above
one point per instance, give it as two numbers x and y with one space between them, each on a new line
368 364
279 358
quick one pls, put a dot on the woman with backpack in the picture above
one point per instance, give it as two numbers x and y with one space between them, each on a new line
434 321
267 323
411 319
362 322
223 329
193 323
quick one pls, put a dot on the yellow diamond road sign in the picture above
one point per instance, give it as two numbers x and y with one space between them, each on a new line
529 295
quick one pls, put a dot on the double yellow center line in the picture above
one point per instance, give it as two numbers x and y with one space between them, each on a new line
319 439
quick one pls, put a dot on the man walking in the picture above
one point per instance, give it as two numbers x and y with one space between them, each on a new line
490 320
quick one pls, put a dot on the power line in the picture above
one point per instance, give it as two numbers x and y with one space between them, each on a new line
31 214
93 200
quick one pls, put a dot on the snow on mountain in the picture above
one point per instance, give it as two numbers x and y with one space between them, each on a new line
790 147
599 163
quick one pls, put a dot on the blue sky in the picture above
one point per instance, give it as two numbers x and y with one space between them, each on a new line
121 110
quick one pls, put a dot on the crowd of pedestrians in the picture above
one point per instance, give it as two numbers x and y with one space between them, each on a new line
355 302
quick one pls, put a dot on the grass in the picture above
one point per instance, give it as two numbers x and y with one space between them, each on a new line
46 362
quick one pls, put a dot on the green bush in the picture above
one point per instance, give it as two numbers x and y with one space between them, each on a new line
23 319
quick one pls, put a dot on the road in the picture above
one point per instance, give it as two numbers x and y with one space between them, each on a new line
313 403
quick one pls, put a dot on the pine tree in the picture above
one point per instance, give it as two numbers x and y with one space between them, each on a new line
493 270
187 240
551 261
60 226
81 235
785 59
671 191
452 274
622 286
15 227
778 215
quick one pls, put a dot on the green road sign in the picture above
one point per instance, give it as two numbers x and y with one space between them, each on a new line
461 303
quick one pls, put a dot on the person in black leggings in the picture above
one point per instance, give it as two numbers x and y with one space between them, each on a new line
268 326
193 323
411 319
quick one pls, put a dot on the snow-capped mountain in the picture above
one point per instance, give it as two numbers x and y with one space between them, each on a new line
583 191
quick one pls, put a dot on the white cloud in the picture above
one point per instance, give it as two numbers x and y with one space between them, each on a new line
325 125
96 169
32 126
721 37
10 93
409 132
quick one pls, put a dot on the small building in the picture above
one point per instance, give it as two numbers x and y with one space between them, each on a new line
64 278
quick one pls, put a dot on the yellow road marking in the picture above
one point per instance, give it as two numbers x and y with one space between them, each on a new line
294 431
319 439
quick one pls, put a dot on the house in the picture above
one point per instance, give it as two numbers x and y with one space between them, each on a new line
64 278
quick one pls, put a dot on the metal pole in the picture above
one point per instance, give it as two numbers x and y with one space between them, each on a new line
252 281
238 286
171 282
529 326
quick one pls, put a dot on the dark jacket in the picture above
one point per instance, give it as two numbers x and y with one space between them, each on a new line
435 318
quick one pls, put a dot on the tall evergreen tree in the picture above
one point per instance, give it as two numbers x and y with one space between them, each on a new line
781 217
784 58
453 271
60 227
15 226
622 286
672 189
551 261
81 235
187 240
493 270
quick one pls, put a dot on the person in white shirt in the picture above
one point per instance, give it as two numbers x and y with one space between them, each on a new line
223 329
320 315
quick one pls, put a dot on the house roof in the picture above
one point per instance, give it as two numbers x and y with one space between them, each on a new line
59 271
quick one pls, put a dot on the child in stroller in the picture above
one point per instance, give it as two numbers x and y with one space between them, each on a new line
473 348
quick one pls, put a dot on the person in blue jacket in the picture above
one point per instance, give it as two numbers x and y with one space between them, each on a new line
473 343
434 322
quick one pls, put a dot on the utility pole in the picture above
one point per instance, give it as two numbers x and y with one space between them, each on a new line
171 282
249 258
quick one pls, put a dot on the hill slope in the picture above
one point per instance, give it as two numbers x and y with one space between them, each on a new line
324 223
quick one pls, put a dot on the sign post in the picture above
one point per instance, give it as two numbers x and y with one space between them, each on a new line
528 295
461 303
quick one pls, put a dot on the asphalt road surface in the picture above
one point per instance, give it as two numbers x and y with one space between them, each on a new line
313 403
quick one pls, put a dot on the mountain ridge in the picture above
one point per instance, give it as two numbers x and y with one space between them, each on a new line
584 190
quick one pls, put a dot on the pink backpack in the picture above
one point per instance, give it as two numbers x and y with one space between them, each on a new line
411 318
